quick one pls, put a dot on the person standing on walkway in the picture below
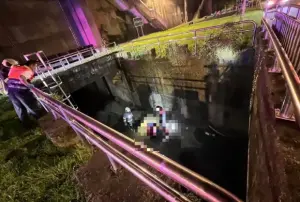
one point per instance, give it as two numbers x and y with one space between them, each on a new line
20 95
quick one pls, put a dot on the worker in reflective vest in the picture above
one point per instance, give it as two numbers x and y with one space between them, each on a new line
20 95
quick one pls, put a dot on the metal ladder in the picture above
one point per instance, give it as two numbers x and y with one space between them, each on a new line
55 85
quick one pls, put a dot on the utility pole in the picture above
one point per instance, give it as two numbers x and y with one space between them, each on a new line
185 11
244 7
199 9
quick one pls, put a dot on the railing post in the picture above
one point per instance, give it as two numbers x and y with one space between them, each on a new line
48 109
270 60
195 36
113 164
286 110
39 100
276 66
54 114
159 47
70 122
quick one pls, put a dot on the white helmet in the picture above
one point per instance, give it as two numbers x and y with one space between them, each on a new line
158 108
127 109
9 62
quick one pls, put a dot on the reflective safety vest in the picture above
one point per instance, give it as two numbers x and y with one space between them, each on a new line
15 74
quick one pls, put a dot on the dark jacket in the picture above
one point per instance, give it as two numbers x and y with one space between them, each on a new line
4 73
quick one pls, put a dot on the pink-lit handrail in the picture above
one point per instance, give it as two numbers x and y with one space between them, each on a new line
199 185
288 70
137 170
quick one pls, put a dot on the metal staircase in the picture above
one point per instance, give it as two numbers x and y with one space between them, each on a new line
51 82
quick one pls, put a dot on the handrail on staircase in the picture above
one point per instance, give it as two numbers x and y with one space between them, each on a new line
92 131
290 75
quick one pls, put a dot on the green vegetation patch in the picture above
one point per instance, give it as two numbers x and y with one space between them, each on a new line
31 167
184 35
255 15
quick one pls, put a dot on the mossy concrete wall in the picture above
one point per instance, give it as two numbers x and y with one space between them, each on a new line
106 72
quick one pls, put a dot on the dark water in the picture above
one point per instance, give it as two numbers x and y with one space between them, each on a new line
220 156
220 159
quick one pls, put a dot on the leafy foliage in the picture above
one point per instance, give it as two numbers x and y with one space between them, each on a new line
57 96
229 36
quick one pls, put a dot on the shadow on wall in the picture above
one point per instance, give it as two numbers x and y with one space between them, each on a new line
194 111
194 88
92 98
144 91
176 88
237 85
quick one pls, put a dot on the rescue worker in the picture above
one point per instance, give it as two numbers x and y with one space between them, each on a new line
20 95
128 117
154 126
161 113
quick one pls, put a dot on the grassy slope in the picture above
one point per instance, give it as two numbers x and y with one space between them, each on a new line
250 15
254 15
31 167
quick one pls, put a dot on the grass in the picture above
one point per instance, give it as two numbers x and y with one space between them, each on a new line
182 34
31 167
255 15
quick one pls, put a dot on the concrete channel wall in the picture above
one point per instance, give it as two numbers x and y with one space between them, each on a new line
105 72
267 179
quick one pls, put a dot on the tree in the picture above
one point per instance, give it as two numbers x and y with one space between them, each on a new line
185 11
197 15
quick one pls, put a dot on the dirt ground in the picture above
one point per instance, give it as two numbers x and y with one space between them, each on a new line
289 139
101 184
290 147
58 131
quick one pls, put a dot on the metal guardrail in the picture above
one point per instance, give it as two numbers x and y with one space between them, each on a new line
264 130
66 59
70 60
288 71
288 35
92 131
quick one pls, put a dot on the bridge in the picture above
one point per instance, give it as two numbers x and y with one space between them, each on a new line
77 86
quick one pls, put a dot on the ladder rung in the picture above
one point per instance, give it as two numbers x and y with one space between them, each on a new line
58 84
49 84
68 97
